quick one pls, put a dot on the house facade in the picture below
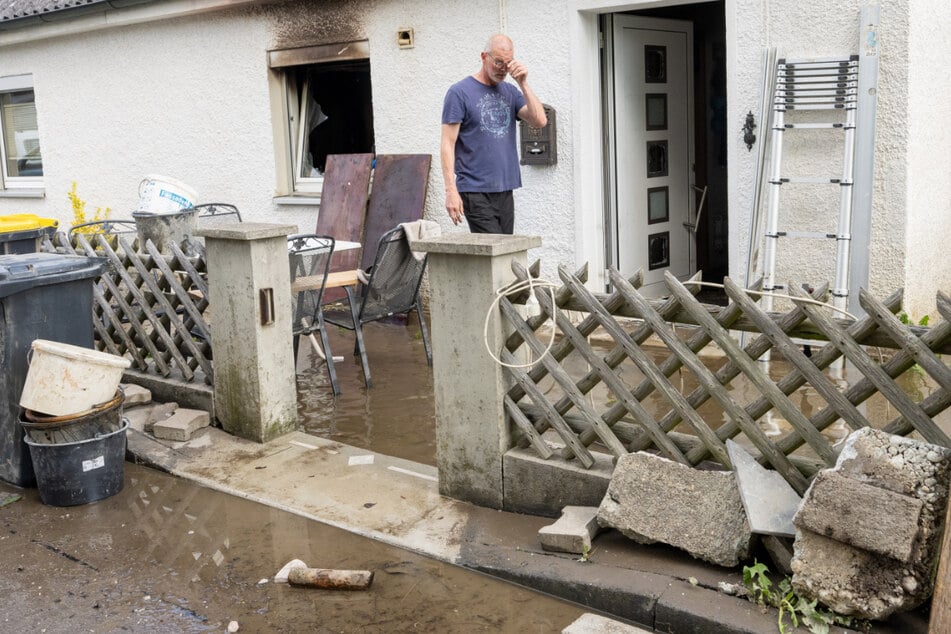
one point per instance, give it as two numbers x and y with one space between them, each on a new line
650 170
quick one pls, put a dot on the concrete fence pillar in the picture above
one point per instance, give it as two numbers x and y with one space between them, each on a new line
471 431
249 288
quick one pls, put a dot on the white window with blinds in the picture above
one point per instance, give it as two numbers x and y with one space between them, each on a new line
20 142
328 107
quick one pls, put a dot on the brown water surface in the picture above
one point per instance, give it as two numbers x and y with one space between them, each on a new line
167 555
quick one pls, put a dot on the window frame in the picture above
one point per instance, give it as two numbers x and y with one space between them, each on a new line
14 84
290 129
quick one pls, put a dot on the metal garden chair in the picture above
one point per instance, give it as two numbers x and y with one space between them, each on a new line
216 214
107 227
309 256
391 288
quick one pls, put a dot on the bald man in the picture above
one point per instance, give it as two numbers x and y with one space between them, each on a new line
478 148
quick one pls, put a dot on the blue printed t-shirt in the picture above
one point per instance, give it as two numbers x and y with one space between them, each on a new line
486 152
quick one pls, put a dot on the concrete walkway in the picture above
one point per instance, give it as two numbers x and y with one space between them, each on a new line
396 501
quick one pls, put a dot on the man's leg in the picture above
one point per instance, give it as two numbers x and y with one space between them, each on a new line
506 207
489 212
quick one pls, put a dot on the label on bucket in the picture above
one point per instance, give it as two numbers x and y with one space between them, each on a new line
95 463
177 198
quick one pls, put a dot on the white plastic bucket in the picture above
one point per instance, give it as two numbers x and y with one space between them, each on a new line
64 379
164 195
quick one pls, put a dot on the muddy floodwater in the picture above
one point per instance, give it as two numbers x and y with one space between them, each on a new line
396 416
166 555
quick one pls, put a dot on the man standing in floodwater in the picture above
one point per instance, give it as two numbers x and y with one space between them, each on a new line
478 146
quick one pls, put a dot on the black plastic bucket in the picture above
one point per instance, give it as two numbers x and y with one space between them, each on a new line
68 474
100 420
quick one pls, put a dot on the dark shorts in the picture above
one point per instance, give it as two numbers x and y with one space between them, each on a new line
489 212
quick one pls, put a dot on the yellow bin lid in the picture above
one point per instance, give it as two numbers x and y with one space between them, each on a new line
24 222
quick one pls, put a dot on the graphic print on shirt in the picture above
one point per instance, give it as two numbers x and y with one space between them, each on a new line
495 114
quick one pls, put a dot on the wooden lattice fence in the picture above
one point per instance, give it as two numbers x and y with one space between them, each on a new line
686 327
149 306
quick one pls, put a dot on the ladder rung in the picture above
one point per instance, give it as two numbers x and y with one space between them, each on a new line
812 126
804 234
840 74
852 57
815 94
818 63
825 106
818 80
820 98
836 88
815 180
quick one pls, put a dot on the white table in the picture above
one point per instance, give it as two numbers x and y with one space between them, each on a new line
345 245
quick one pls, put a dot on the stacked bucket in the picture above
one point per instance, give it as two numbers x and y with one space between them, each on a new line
72 422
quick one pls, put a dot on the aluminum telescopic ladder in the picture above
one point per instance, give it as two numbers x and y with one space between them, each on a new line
829 84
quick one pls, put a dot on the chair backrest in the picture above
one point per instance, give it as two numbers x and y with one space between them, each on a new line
309 256
216 214
108 227
394 278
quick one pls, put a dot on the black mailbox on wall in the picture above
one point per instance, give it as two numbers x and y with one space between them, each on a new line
540 145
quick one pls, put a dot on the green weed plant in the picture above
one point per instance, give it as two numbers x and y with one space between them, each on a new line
793 609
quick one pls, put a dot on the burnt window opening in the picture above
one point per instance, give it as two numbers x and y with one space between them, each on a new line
335 109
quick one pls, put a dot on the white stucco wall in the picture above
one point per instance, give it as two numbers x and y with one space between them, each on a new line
189 97
928 182
196 106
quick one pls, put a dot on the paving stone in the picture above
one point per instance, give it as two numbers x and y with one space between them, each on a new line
769 500
135 395
181 425
861 515
654 499
159 412
589 623
573 531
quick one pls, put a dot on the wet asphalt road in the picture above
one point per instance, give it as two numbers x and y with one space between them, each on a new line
166 555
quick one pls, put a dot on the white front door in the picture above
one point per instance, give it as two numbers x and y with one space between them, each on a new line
653 148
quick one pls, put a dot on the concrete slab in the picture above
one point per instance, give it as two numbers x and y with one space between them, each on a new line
652 499
135 395
573 531
181 425
595 624
769 501
861 515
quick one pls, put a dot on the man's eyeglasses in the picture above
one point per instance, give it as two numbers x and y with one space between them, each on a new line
498 63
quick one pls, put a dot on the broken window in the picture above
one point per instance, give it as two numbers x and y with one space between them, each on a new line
329 107
20 138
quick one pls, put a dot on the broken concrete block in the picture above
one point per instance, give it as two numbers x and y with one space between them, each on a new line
573 531
851 581
181 425
861 515
654 499
589 623
135 395
865 583
159 412
770 502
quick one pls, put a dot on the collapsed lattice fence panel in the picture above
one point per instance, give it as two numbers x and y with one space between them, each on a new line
657 413
149 306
